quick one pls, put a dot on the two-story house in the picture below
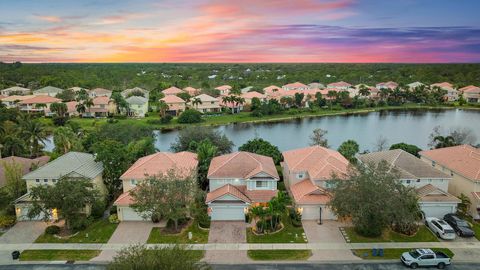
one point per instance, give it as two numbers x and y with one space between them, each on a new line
38 104
172 91
13 101
99 92
253 94
137 106
387 85
72 165
308 174
176 105
471 93
160 163
462 163
237 181
207 103
339 85
102 106
224 89
430 184
452 93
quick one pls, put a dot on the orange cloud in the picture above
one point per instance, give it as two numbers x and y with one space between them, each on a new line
52 19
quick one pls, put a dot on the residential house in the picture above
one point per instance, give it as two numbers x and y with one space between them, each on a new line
102 106
37 103
224 89
175 104
250 95
48 91
237 181
387 85
12 101
160 163
295 86
414 85
315 85
172 91
471 93
452 93
137 106
77 89
191 91
15 90
73 165
430 184
208 103
246 89
232 106
27 165
307 174
462 163
128 92
271 89
339 85
2 97
71 109
99 92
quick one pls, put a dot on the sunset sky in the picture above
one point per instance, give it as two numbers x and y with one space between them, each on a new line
240 31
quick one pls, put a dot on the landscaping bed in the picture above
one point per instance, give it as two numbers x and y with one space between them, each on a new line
58 255
289 234
99 231
164 235
423 235
280 255
392 253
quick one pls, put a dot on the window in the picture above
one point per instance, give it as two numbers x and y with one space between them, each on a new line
408 181
418 180
261 184
54 180
433 163
133 182
300 175
45 180
37 180
427 257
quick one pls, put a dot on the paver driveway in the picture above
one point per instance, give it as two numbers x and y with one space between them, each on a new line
21 233
227 232
328 232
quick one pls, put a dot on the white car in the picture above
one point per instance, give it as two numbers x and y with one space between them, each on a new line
440 228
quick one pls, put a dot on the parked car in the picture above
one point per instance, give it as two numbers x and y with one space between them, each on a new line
461 227
425 257
440 228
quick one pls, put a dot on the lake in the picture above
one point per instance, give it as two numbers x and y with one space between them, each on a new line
409 126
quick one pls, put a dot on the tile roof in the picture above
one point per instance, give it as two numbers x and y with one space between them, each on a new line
295 85
172 91
430 193
48 89
17 97
16 88
253 94
319 162
191 91
223 87
462 159
470 89
271 88
100 91
305 192
2 97
241 165
161 163
40 99
71 106
136 100
409 166
26 164
339 84
227 189
207 98
101 100
83 164
125 199
172 99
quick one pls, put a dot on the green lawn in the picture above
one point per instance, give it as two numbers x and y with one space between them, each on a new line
98 232
1 233
280 255
58 255
289 234
392 253
423 235
199 236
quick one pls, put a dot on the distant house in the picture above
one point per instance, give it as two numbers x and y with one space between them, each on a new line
208 104
191 91
138 106
430 184
99 92
238 181
387 85
452 93
175 104
471 93
37 104
295 86
250 95
73 165
72 108
12 101
307 176
77 89
339 85
15 90
48 91
414 85
27 165
224 89
172 91
160 163
315 85
271 89
462 163
128 92
102 106
232 106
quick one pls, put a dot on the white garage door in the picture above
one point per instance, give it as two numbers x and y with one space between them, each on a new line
437 211
228 212
22 212
312 212
128 214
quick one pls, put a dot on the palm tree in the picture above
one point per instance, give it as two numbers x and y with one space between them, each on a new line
464 205
162 108
81 108
258 213
196 102
88 103
364 91
34 133
228 99
40 105
59 108
384 93
239 101
444 141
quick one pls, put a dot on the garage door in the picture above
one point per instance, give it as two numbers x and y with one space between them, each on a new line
22 212
313 213
437 211
227 212
128 214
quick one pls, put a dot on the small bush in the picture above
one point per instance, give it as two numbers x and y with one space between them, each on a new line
112 121
190 116
261 226
52 229
166 119
98 208
113 219
113 210
59 121
203 219
7 221
296 223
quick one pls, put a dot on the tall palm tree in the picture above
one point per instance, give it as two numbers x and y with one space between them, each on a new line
228 99
81 109
364 91
34 133
444 141
162 108
88 103
239 101
196 102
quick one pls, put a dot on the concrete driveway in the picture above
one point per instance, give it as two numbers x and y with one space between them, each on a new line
328 232
227 232
22 232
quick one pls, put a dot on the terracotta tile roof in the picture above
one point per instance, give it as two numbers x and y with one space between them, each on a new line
124 200
227 189
160 163
17 97
26 164
462 159
2 97
271 88
101 100
430 193
470 89
223 87
40 99
71 106
241 165
260 195
295 85
305 192
253 94
388 84
172 99
409 166
338 84
319 162
207 98
443 85
191 91
100 91
172 91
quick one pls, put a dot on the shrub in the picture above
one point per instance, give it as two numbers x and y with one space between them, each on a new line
113 210
261 226
112 121
98 208
7 221
113 219
52 229
203 219
190 116
80 223
166 119
295 217
59 121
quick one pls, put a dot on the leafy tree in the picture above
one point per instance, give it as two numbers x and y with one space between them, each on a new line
256 103
318 137
66 95
189 138
320 100
139 257
185 96
262 147
59 108
141 148
13 172
380 200
120 102
349 149
66 140
162 108
122 132
206 150
298 97
464 205
69 196
190 116
409 148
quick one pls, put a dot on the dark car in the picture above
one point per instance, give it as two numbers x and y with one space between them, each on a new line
461 227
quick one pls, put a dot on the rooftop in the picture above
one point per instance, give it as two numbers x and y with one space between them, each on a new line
242 165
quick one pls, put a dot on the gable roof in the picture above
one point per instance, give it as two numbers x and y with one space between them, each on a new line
409 166
100 91
172 99
101 100
172 91
223 87
271 88
305 192
26 164
17 97
48 90
430 193
16 89
463 159
241 165
470 89
227 189
206 98
136 100
40 99
253 94
339 84
443 85
318 161
295 85
83 164
160 163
